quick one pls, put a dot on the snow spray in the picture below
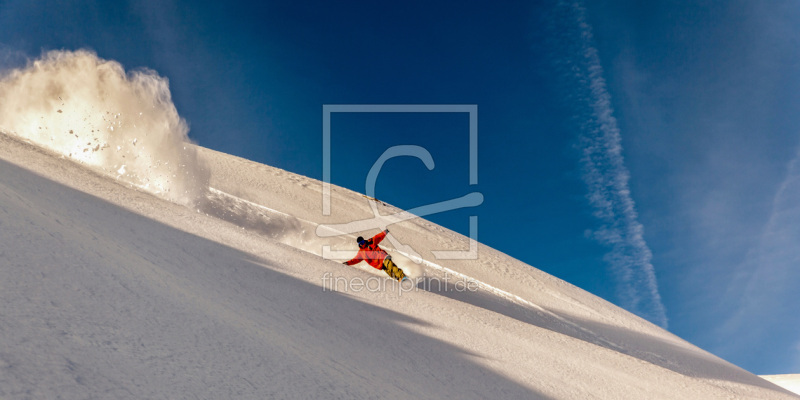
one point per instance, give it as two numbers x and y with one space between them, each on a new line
90 110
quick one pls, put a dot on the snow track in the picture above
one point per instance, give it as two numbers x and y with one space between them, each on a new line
288 228
310 226
239 209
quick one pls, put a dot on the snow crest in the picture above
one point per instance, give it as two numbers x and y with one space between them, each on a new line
90 110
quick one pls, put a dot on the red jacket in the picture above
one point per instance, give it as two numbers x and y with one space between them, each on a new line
371 253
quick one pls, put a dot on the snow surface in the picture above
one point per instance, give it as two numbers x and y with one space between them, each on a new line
789 382
134 265
110 292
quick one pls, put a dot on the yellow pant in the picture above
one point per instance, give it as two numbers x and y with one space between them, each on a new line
392 269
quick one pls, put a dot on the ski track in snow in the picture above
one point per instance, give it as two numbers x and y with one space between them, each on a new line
483 285
503 294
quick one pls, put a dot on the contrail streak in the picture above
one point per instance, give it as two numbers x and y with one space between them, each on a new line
606 177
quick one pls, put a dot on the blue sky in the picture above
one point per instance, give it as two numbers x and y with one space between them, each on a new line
644 151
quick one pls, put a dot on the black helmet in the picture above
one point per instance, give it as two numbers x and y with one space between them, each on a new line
360 239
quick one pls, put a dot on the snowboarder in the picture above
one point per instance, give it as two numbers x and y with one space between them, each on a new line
375 256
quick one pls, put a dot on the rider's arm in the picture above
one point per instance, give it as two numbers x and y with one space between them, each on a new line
355 260
377 238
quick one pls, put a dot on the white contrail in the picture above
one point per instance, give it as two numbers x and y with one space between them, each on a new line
607 177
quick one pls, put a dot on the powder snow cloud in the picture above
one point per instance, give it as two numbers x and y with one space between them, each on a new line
90 110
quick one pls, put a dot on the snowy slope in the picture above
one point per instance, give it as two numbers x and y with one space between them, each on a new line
789 382
110 292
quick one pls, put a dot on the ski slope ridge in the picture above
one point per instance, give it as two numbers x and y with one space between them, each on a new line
111 292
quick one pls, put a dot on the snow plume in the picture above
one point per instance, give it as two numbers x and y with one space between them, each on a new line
606 177
92 111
